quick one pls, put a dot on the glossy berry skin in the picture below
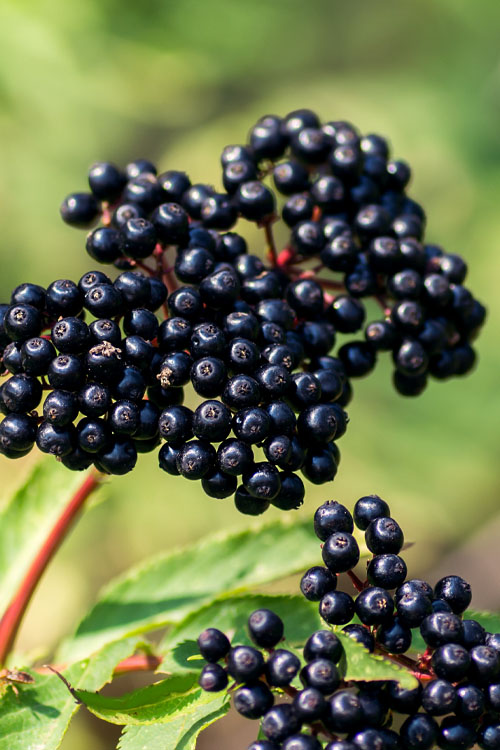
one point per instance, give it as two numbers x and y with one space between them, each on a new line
439 697
245 663
360 634
374 606
70 335
470 702
79 210
384 535
485 664
27 294
242 392
106 181
20 394
262 481
167 459
331 517
213 644
321 674
252 701
22 322
489 736
234 457
280 722
336 608
345 712
368 509
265 628
60 408
340 552
455 591
291 493
456 734
301 742
316 582
346 313
419 732
247 504
36 356
387 571
473 633
211 421
255 201
309 705
323 644
281 667
17 434
213 678
251 425
57 441
451 662
318 423
94 400
440 628
217 484
412 608
119 457
92 435
195 459
104 301
394 636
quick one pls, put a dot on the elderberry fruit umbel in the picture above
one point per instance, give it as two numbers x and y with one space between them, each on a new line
260 336
307 703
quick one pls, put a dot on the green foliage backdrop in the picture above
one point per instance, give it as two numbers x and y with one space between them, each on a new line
175 80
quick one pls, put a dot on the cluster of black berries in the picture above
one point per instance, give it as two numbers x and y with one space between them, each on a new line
255 339
95 376
348 215
456 703
124 373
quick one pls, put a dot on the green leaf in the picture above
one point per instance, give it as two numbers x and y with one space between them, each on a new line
177 697
37 719
167 588
230 614
175 734
27 519
358 663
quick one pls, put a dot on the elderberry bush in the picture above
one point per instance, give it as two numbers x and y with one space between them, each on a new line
302 699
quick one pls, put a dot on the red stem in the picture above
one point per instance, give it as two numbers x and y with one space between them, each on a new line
271 245
11 620
356 582
138 663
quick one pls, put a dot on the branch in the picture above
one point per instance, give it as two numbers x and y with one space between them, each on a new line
11 620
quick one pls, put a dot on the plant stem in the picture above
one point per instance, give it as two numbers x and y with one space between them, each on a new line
356 582
271 245
11 620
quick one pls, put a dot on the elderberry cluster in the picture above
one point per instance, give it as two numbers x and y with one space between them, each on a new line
456 703
125 373
255 338
344 203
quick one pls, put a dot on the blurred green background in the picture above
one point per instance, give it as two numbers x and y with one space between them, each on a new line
175 82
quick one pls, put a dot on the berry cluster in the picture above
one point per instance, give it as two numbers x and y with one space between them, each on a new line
103 370
255 339
456 703
344 201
